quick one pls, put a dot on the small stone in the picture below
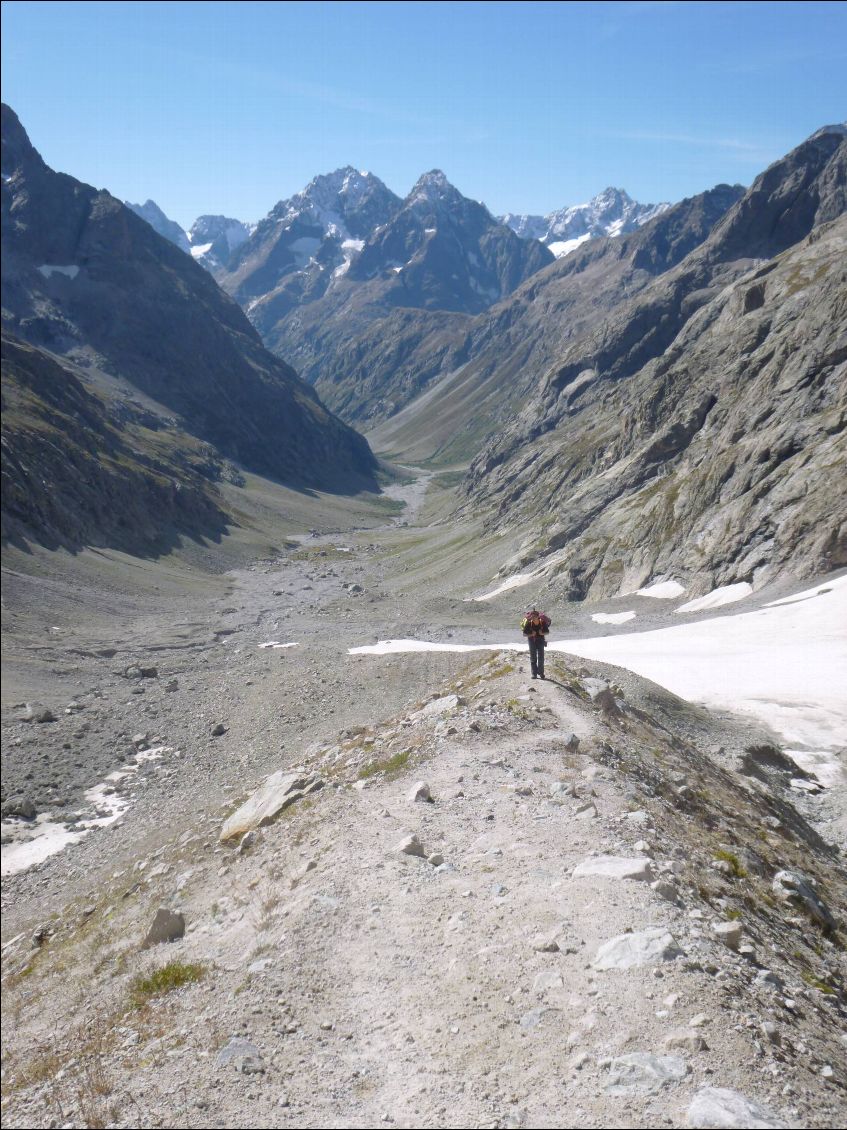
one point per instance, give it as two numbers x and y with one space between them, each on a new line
20 806
436 859
247 841
217 730
728 932
546 981
771 1033
643 846
798 889
167 926
410 845
699 1021
587 811
172 685
685 1040
665 889
827 1071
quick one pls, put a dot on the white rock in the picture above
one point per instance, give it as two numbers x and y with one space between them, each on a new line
439 706
419 793
647 947
436 859
278 792
587 811
613 867
719 1108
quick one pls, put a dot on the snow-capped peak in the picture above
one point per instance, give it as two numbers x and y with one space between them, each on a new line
611 212
432 188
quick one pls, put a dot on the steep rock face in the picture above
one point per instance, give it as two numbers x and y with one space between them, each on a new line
158 221
85 278
699 429
612 212
80 469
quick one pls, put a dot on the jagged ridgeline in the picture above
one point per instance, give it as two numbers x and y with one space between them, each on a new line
698 427
134 347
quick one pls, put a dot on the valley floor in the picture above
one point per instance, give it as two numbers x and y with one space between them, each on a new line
594 934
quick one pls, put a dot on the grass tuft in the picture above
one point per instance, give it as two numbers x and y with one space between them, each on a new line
165 980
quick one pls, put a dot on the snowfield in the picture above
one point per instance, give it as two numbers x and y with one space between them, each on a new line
785 664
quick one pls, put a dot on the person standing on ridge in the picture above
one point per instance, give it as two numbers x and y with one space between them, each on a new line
535 626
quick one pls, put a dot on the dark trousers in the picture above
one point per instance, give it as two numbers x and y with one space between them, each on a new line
536 655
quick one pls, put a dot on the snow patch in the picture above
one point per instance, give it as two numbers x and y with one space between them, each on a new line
662 590
48 838
807 594
48 269
728 594
822 764
277 646
563 247
515 582
612 617
200 250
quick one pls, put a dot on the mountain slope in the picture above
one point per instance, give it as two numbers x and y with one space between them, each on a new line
699 429
82 469
482 371
86 279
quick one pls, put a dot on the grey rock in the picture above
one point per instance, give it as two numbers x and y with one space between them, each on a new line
218 730
243 1055
419 793
37 712
278 792
545 981
647 947
798 889
167 926
644 1072
20 806
719 1108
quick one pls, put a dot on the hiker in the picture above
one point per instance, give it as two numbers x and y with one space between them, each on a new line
535 626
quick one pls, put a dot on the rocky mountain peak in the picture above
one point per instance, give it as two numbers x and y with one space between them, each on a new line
433 188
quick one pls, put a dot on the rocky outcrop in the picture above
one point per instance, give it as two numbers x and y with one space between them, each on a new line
699 428
88 281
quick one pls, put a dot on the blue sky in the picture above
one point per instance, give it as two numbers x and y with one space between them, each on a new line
221 107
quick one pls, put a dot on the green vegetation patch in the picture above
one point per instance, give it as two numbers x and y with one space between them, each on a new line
165 980
734 862
391 767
